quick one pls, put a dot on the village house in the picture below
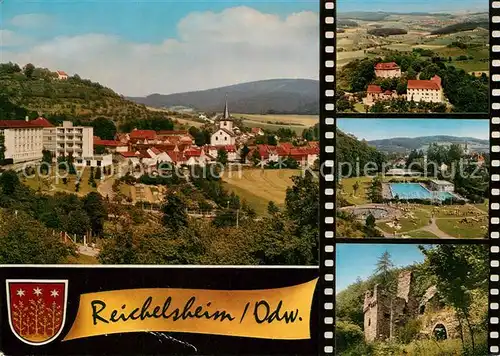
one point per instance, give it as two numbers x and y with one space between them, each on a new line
257 131
111 146
430 91
387 70
61 75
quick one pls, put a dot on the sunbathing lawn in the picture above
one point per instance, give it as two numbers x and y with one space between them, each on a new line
484 207
347 188
421 219
448 211
422 234
456 228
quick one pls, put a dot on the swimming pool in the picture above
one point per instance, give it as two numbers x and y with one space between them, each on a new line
416 191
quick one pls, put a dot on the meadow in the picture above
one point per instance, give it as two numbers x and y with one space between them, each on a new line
260 186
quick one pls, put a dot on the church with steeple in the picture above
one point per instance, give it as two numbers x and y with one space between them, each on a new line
224 134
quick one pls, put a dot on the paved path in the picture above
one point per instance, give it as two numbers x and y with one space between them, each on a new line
88 251
105 188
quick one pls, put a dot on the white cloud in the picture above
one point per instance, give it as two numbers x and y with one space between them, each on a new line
31 20
213 49
10 38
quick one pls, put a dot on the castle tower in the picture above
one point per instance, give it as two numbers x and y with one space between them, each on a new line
406 291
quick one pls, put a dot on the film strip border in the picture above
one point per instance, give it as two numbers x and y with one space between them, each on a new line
327 191
494 295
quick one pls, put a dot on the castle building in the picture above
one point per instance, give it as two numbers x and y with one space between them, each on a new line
430 91
387 70
375 93
225 134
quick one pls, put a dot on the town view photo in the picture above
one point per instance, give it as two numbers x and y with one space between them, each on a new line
408 299
412 178
187 134
412 57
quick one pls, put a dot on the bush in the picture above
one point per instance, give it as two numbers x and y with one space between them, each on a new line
409 331
347 335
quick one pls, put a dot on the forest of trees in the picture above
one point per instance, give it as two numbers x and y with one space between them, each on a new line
386 31
459 27
287 235
460 273
351 152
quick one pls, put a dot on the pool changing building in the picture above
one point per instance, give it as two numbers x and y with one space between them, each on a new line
442 186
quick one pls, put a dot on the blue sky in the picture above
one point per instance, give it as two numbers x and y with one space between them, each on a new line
144 47
374 129
449 6
359 260
141 21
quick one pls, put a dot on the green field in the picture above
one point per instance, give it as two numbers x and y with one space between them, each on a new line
258 187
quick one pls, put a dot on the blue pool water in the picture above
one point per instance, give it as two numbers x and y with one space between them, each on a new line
416 191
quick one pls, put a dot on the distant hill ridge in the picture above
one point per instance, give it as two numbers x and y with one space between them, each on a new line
402 144
273 96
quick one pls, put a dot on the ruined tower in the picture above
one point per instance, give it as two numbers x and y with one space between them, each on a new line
376 314
383 313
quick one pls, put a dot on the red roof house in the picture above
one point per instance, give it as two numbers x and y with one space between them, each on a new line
142 135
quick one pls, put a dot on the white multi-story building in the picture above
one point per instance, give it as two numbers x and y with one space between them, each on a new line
68 139
23 140
430 91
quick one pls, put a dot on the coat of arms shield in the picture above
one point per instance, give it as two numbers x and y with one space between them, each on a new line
36 309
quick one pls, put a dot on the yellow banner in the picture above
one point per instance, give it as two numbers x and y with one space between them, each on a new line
282 313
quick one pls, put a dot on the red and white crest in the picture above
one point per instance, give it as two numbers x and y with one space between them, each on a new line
36 309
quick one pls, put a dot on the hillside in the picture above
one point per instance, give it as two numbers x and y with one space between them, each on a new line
275 96
39 90
460 27
351 151
404 144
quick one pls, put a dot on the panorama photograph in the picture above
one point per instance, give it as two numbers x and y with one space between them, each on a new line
414 300
162 133
412 56
412 178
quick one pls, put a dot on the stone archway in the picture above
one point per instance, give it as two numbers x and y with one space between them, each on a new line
439 332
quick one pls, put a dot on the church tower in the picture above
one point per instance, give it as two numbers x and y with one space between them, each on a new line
225 121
